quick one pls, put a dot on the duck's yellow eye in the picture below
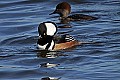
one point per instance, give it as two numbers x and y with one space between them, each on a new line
44 34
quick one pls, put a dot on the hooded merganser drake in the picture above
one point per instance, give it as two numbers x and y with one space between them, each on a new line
48 41
64 9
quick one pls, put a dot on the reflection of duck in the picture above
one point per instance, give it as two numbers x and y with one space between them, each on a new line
48 65
50 78
47 41
47 54
64 9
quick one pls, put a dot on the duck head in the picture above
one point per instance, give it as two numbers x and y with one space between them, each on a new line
46 30
63 9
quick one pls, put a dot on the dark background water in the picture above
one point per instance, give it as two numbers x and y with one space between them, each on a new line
20 60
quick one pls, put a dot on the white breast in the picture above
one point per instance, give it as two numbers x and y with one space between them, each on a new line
44 46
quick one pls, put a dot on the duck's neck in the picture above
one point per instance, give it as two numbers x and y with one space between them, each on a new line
64 13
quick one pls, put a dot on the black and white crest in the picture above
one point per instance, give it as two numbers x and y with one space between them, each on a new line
47 28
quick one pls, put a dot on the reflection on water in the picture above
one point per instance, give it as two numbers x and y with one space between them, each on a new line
50 78
21 60
48 65
49 54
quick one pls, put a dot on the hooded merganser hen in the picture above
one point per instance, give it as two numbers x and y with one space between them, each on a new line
64 9
48 41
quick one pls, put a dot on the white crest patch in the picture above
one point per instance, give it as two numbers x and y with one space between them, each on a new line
51 29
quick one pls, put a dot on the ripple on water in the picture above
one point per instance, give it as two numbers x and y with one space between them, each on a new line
19 40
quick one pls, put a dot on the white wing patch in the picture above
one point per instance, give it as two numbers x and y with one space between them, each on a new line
69 38
51 29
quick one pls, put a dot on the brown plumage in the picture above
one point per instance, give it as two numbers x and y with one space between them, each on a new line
64 9
64 5
66 45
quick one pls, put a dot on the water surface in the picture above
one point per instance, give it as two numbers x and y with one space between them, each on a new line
97 60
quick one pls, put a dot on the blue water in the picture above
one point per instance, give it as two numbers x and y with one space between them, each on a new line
97 60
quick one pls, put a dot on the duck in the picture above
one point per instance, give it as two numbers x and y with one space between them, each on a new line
64 9
48 40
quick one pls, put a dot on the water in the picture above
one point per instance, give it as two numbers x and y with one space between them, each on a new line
98 60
